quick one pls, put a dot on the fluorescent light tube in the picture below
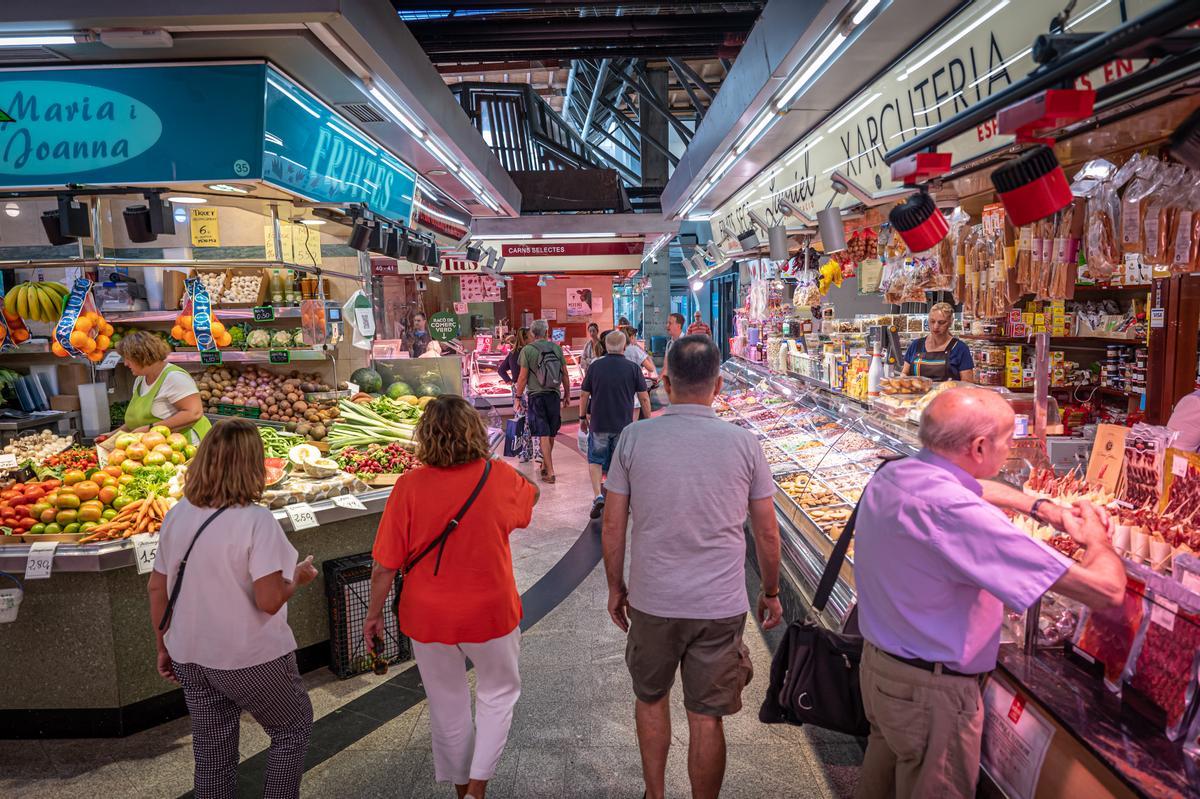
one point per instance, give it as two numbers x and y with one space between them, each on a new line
792 158
982 18
798 82
36 41
864 12
396 112
762 124
849 114
283 90
441 154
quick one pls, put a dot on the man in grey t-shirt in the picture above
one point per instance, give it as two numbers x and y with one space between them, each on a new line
686 601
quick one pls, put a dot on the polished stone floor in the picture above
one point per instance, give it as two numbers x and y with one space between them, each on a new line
572 734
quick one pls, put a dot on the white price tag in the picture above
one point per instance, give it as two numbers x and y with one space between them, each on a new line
8 461
110 361
41 560
145 549
302 516
1178 466
349 501
1191 581
364 319
1162 612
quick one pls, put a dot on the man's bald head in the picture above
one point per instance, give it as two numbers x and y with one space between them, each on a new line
956 419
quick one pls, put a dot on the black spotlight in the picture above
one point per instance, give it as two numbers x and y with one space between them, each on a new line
146 222
67 223
416 252
381 239
432 257
360 234
403 243
474 253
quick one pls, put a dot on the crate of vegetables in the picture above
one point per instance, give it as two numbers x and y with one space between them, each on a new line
377 465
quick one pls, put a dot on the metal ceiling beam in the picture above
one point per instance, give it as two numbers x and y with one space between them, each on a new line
688 88
647 95
644 26
598 87
637 130
680 65
544 50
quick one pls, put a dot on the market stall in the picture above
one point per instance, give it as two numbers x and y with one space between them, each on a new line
248 269
1082 311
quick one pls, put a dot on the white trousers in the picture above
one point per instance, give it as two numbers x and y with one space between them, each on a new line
466 749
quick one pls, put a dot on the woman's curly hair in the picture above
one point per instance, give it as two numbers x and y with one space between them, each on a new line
451 432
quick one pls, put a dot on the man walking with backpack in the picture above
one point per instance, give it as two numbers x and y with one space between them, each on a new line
543 371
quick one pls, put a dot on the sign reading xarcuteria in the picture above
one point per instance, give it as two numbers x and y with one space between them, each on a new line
165 124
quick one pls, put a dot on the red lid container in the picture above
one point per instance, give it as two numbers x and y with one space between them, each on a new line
1032 187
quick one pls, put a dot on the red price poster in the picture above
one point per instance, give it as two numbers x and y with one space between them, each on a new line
476 288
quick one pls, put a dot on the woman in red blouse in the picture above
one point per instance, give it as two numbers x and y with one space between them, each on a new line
460 601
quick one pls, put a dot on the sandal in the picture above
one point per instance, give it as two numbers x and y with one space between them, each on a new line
548 479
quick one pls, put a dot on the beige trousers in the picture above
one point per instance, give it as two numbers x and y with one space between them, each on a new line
926 731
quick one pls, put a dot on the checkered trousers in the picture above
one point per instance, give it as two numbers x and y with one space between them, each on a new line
274 695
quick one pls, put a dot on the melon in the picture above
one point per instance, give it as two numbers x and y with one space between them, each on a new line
367 380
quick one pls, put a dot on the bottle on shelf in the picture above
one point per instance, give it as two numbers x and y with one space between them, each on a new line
874 373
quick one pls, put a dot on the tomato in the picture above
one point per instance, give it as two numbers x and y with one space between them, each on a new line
113 470
86 527
34 492
116 458
22 509
109 514
125 479
155 459
37 529
9 495
86 490
67 501
66 516
129 466
52 483
107 495
121 502
53 529
71 529
72 477
48 515
27 523
17 486
137 451
90 513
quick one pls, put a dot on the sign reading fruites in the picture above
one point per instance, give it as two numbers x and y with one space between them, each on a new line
443 326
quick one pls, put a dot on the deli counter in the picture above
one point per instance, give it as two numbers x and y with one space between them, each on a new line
1080 737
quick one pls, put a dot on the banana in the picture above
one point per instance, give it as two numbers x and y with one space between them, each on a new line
22 301
57 288
10 300
47 299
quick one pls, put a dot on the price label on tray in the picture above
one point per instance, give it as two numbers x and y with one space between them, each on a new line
302 516
279 356
8 461
41 560
349 501
210 357
145 549
1162 613
264 313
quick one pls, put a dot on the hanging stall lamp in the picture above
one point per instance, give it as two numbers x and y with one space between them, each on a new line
919 222
1032 187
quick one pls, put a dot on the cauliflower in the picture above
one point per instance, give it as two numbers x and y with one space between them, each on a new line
258 339
281 340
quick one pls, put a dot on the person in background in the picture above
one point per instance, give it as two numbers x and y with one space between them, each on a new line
675 323
593 349
939 356
434 350
163 394
604 408
1185 420
685 604
461 600
544 372
623 322
698 327
936 562
635 353
226 640
510 367
418 337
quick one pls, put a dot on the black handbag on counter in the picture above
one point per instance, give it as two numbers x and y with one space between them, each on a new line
814 674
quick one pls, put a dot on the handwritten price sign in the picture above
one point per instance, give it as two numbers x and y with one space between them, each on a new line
41 560
349 501
302 516
145 550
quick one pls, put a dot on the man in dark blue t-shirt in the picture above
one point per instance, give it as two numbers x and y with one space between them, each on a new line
607 395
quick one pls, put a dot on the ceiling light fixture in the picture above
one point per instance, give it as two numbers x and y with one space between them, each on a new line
12 210
184 200
230 188
584 235
764 122
312 221
435 274
394 110
441 155
846 116
37 41
864 12
440 214
798 82
697 285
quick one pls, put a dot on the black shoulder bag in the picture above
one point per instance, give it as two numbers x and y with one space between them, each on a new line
439 543
166 619
814 673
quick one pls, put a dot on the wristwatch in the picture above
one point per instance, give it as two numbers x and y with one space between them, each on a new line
1033 511
771 596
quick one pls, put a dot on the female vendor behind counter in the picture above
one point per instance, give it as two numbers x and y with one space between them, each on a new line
939 356
163 394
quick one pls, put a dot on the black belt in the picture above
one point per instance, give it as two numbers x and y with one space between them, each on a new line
926 665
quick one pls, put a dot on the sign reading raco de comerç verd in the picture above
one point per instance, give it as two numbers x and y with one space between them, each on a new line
980 51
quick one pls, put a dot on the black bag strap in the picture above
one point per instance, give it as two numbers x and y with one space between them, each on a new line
838 557
166 619
439 543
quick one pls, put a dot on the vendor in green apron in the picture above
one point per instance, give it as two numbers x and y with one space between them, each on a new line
163 394
939 356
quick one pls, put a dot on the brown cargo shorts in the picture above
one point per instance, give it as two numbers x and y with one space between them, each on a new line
714 662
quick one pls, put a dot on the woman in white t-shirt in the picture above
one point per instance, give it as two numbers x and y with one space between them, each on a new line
163 394
639 356
223 632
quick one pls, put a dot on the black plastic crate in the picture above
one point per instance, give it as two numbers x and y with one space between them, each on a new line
348 589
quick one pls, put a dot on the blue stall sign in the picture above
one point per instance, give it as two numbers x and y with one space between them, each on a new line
130 125
313 152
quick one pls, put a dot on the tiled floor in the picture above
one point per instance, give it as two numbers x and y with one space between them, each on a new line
572 732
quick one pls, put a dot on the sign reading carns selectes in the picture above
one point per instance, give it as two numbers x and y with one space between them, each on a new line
50 126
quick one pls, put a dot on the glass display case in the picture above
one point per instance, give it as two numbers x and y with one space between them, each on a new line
421 376
486 389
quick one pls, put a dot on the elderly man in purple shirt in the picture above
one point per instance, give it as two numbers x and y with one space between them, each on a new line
936 562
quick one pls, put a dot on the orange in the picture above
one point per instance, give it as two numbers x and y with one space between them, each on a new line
83 323
102 342
185 321
177 333
224 340
58 350
82 341
96 356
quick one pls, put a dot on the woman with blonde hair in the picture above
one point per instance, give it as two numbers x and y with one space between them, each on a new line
222 632
163 394
939 356
446 528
